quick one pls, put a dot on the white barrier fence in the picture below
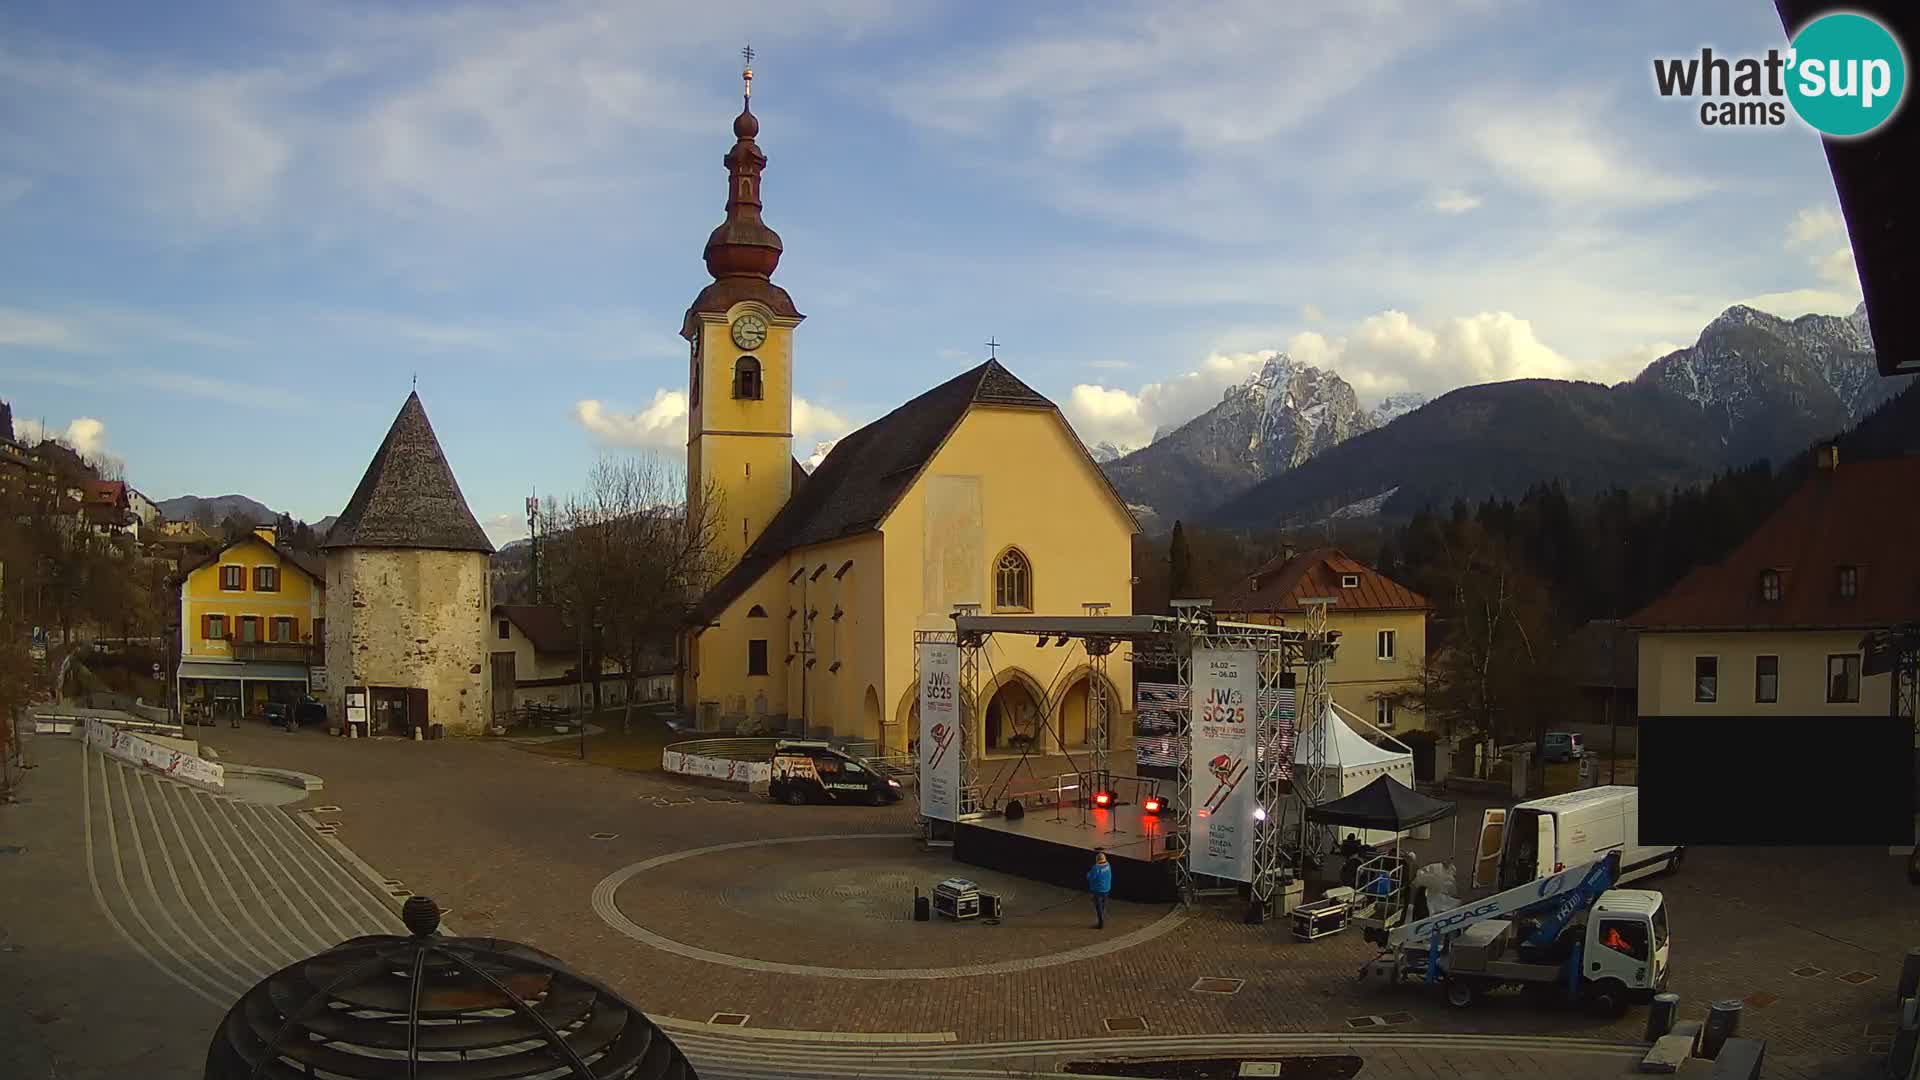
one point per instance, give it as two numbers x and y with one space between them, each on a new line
713 768
129 747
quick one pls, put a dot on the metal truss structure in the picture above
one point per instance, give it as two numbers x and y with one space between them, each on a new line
1169 642
1895 651
1311 782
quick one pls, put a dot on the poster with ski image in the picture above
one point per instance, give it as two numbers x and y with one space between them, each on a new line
1226 682
939 731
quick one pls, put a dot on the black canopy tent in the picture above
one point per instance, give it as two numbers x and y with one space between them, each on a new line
1386 804
1389 806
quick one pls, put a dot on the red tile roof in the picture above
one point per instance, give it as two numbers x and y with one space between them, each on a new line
1282 584
1864 515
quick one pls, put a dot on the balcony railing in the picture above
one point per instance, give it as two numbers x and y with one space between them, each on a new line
283 652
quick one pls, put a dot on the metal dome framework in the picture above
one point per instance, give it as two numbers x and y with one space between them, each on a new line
423 1006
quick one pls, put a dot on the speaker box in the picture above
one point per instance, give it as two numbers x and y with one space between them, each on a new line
922 908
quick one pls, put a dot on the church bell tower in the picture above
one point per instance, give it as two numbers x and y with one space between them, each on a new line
739 332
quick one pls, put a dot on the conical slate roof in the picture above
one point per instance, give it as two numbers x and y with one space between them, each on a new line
409 498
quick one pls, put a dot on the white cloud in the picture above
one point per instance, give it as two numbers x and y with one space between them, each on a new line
811 421
1549 146
84 433
1130 419
1454 202
1820 235
31 329
504 529
662 424
485 113
1310 313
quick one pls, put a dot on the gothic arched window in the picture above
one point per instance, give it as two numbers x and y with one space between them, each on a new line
746 378
1013 582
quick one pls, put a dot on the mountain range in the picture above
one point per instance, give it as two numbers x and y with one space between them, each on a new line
220 507
1292 445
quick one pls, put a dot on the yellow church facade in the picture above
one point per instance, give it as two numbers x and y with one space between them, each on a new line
976 493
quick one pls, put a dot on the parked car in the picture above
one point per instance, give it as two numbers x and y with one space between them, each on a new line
807 772
1562 746
277 713
310 711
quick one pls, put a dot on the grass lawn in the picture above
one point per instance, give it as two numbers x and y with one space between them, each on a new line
638 752
1565 776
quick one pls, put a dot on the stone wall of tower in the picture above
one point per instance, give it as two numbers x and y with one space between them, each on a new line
405 617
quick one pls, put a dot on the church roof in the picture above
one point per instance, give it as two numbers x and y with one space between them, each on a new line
408 497
867 472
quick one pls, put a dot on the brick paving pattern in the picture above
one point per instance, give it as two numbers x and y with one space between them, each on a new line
505 838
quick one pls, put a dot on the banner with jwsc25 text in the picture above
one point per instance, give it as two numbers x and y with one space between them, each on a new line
1226 682
939 731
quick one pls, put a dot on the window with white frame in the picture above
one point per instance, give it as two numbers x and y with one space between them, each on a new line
233 579
1383 712
1383 644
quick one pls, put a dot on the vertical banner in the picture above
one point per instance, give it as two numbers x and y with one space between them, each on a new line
940 731
1226 683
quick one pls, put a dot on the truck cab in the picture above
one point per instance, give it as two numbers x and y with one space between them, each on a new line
1626 949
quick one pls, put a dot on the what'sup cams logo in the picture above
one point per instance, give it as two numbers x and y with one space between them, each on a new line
1843 75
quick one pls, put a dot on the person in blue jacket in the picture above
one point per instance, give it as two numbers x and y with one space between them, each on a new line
1099 884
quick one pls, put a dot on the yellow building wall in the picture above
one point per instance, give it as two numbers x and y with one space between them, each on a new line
1008 477
742 447
1358 673
1005 477
834 701
299 598
1667 665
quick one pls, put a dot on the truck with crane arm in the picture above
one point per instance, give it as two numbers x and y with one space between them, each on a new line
1607 947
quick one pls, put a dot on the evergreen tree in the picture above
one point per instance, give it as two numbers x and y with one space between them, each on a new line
1179 564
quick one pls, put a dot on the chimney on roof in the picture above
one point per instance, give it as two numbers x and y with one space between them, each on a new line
1827 457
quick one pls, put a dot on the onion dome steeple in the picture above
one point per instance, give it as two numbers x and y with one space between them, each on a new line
743 245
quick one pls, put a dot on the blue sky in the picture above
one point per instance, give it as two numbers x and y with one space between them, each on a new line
236 231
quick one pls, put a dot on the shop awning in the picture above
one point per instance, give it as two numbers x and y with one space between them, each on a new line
254 672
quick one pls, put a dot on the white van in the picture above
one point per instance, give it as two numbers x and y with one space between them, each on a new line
1548 835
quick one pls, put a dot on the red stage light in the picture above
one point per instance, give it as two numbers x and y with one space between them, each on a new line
1103 798
1151 805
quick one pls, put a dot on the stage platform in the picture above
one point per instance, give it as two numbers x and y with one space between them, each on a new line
1056 846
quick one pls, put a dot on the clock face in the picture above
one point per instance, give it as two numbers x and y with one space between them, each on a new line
749 331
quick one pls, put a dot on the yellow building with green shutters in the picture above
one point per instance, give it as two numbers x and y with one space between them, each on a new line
252 628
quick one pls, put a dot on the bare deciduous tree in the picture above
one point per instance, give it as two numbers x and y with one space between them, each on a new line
626 556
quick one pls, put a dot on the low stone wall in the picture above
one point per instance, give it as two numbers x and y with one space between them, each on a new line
138 750
735 761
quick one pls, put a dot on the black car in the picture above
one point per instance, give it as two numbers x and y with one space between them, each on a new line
277 713
814 772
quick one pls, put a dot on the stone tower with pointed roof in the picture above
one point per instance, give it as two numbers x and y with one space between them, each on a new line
408 592
975 492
